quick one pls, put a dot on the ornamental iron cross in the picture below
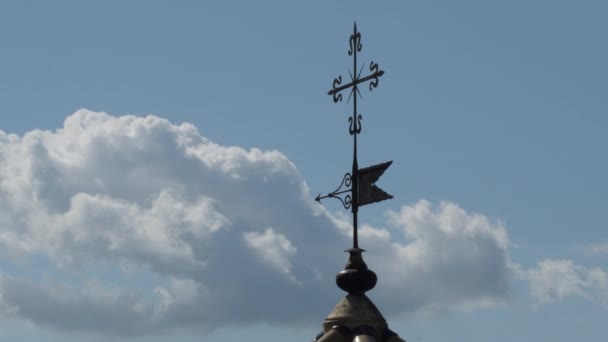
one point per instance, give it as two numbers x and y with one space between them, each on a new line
359 184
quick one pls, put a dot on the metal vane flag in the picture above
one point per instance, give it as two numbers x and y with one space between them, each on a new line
359 184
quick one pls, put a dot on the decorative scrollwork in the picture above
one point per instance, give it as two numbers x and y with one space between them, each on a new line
355 127
376 73
346 182
349 190
336 94
347 179
346 202
355 42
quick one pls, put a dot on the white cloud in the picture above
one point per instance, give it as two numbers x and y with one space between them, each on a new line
140 195
272 247
451 259
553 281
89 307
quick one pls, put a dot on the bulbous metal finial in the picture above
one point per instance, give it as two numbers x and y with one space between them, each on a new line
356 278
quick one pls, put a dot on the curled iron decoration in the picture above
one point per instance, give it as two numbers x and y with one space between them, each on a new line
346 182
335 92
376 73
346 201
355 127
354 42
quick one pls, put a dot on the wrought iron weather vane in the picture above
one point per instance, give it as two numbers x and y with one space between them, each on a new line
359 184
355 317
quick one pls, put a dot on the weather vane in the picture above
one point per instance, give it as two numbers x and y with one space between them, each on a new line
359 184
355 317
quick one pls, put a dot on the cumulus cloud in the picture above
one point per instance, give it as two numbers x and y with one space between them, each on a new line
224 235
89 307
273 248
451 259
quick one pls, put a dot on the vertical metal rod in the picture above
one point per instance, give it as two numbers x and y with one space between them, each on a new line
355 170
352 201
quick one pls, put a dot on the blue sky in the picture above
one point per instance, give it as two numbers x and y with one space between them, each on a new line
496 109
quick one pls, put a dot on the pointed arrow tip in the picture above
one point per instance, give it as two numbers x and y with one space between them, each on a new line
318 198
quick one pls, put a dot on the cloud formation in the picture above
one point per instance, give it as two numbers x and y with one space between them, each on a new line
552 281
223 235
451 259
